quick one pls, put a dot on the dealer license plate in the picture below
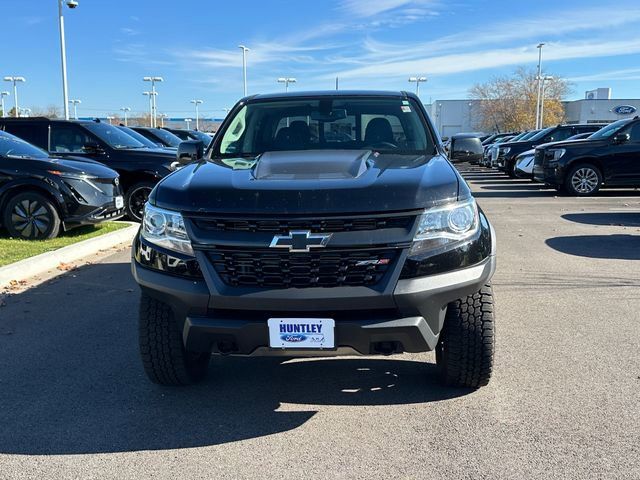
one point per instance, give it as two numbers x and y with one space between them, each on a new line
301 332
119 202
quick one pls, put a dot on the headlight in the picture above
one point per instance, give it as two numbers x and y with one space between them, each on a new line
504 150
557 154
444 227
165 228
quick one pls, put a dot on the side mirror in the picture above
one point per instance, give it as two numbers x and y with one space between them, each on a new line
189 151
621 138
465 150
92 149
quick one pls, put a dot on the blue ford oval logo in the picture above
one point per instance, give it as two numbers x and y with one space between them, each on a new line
625 109
293 337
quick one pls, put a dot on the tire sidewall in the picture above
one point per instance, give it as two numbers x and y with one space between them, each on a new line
130 192
54 217
568 184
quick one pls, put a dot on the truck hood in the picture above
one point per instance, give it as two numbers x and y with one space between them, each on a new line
308 182
585 142
157 155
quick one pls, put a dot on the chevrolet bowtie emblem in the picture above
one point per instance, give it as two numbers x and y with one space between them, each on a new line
300 241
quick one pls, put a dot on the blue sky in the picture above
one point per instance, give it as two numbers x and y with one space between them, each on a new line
370 44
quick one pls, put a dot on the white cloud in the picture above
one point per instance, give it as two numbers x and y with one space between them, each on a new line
370 8
493 58
618 75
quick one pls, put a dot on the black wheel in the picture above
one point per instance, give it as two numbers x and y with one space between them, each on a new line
465 350
510 169
32 216
135 198
583 180
165 360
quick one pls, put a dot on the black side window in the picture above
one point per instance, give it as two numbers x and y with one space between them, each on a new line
559 135
634 132
69 139
34 134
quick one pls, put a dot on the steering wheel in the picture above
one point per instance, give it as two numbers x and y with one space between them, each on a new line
383 145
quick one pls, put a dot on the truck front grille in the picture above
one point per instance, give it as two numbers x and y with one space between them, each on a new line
329 268
336 224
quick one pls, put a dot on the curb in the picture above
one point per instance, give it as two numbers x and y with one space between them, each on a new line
44 262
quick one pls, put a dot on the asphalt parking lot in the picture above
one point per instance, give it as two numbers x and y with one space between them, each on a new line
564 401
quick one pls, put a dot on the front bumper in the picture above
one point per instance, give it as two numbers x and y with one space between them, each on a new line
107 212
407 318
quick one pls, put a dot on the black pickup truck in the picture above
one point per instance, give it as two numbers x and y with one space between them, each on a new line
316 224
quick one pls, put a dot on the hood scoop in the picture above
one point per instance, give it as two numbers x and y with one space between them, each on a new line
312 165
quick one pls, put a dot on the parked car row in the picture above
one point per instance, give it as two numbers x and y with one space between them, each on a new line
57 174
577 159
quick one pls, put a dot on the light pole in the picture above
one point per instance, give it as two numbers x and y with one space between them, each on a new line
244 67
162 117
63 54
15 80
544 79
151 102
417 81
538 78
75 107
154 107
188 122
196 103
287 81
110 118
125 110
2 95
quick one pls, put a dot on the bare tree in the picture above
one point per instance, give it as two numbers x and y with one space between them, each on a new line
508 103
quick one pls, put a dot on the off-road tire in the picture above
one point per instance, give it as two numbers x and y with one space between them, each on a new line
464 353
165 360
32 216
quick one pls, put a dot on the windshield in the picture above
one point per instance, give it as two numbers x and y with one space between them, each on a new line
168 138
542 133
141 138
203 137
113 136
518 137
389 125
609 130
13 147
528 135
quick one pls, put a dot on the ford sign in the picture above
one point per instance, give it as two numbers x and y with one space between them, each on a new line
625 109
293 337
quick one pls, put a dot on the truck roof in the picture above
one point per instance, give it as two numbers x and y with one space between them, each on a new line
330 93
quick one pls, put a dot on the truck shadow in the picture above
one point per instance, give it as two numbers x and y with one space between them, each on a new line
618 247
71 381
624 219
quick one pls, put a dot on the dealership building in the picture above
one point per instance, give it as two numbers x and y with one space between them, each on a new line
455 116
